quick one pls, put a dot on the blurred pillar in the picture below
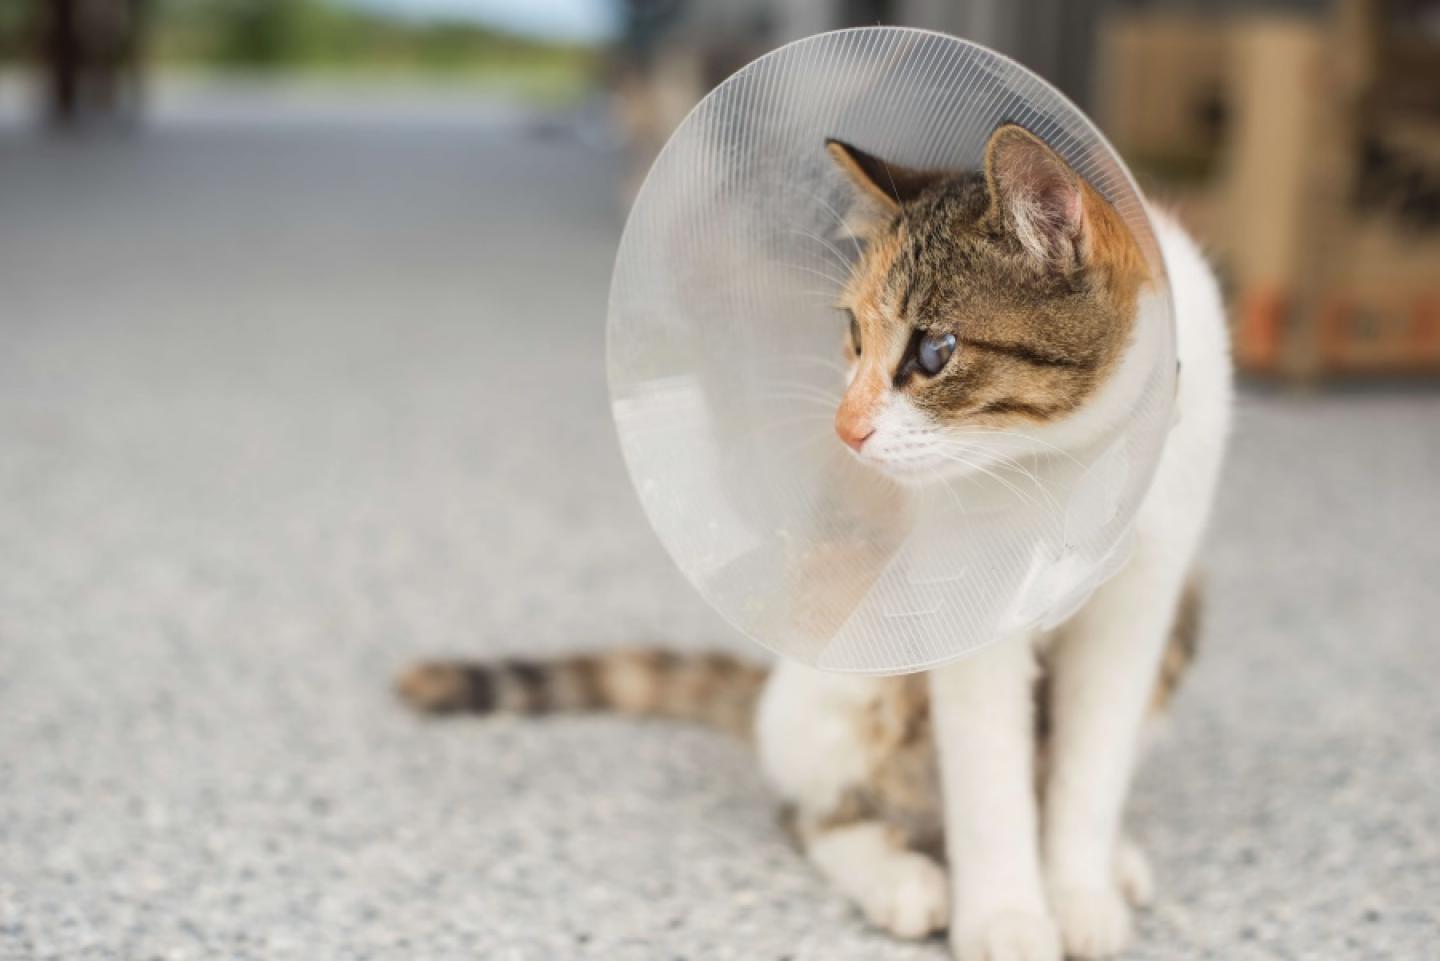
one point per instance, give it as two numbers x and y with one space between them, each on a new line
90 52
60 53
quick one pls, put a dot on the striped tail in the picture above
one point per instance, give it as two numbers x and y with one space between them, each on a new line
713 689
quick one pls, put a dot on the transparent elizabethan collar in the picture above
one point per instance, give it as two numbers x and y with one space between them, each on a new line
723 362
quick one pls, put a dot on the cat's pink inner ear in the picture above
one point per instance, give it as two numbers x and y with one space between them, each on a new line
1041 199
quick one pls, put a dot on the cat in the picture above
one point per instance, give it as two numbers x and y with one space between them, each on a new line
986 795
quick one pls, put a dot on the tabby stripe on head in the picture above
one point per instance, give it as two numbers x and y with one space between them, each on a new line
1021 407
1029 355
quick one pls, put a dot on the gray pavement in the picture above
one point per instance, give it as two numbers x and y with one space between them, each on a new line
284 405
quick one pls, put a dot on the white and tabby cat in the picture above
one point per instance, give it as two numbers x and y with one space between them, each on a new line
986 795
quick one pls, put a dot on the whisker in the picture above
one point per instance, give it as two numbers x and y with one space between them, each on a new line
979 429
837 281
839 222
982 468
1011 461
834 365
804 445
808 418
805 387
1035 481
803 399
813 390
807 359
954 494
839 257
1030 476
830 297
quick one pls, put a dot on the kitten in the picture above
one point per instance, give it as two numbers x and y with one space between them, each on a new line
985 795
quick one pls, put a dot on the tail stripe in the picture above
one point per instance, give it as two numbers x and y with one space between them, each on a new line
476 690
714 689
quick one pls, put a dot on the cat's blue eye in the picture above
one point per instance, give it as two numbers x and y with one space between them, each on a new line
933 351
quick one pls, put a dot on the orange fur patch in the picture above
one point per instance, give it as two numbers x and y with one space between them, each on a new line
1112 250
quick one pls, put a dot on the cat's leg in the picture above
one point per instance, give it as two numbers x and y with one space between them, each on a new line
820 738
982 707
809 733
903 891
1103 668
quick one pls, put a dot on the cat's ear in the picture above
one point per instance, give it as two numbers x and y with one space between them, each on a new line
1037 196
884 184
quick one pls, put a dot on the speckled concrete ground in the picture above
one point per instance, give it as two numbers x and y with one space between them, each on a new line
284 407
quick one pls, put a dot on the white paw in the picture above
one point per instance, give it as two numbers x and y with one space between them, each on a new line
1094 922
1132 873
909 897
1006 935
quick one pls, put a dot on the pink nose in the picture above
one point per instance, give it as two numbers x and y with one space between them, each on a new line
853 434
852 418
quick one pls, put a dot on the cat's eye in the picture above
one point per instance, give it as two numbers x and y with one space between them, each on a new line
934 351
854 333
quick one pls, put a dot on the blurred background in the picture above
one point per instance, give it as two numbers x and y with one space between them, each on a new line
301 377
1298 137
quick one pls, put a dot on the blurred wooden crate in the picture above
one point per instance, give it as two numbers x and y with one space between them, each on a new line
1324 206
1161 89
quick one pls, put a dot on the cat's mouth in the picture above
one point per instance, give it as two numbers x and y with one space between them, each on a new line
914 464
920 457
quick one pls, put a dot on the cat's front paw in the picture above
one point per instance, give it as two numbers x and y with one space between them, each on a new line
1132 873
1005 935
909 897
1094 922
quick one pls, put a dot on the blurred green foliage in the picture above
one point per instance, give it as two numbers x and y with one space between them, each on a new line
323 33
14 20
332 37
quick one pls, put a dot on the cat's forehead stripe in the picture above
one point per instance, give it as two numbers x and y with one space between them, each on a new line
1034 344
